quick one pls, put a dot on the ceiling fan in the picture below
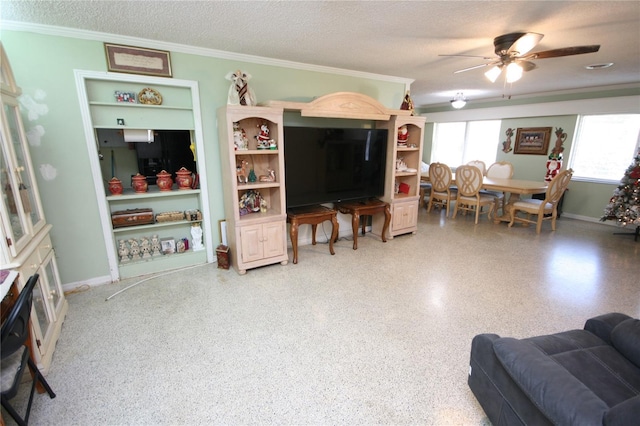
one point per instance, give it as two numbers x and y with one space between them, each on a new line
513 55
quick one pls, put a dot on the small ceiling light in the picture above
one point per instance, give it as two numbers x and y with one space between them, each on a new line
599 66
493 73
514 72
458 101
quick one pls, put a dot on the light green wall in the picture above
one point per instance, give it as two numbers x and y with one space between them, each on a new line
43 65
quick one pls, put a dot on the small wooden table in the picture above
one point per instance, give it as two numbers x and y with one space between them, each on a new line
312 215
365 208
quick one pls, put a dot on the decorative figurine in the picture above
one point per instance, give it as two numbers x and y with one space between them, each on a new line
403 135
123 251
269 177
250 202
155 246
506 145
240 141
241 171
135 249
407 103
264 142
401 166
196 237
239 92
145 247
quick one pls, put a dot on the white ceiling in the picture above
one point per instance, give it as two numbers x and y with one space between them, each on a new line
393 38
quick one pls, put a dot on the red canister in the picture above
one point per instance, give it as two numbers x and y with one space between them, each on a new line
139 183
164 181
184 178
115 186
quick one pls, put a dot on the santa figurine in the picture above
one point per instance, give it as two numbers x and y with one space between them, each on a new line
403 135
264 142
553 167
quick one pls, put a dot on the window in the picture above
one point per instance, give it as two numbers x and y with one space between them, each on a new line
604 146
460 142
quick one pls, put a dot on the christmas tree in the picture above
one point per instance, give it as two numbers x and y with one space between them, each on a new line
624 206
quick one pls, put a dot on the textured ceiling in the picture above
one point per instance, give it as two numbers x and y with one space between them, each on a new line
394 38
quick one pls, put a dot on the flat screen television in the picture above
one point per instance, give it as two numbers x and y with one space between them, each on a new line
329 165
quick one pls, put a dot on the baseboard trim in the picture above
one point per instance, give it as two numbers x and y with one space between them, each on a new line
92 282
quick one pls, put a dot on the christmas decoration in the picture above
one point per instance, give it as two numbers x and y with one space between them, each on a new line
407 103
624 206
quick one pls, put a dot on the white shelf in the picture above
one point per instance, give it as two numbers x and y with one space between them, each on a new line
136 228
130 194
132 105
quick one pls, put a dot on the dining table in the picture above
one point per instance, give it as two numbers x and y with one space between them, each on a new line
514 187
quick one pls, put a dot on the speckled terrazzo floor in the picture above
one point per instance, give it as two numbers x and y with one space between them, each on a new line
380 335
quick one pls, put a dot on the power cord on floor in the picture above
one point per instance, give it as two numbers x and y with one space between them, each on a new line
80 289
152 277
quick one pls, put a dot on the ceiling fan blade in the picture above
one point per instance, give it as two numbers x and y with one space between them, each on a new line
472 56
471 68
565 51
521 43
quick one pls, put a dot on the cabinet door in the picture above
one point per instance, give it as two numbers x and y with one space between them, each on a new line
273 236
14 222
23 169
405 215
54 290
251 240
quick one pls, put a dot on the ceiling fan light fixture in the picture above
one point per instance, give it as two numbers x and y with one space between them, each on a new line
458 101
493 74
514 72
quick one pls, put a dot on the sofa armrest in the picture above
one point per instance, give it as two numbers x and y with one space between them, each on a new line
557 393
602 325
625 413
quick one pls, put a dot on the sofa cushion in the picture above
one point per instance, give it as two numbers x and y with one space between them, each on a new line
555 391
625 337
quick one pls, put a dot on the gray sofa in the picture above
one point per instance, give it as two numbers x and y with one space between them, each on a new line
576 377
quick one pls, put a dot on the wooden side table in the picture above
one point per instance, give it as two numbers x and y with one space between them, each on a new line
365 208
312 215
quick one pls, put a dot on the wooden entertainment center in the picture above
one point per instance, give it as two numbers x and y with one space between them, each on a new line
258 239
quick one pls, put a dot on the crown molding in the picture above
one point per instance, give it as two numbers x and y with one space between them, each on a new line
193 50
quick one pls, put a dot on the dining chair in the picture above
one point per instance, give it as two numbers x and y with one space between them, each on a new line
425 190
441 193
479 164
499 170
15 357
546 209
469 182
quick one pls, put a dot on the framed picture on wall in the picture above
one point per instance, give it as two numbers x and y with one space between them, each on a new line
532 140
138 60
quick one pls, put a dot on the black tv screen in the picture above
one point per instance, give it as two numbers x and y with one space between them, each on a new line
329 165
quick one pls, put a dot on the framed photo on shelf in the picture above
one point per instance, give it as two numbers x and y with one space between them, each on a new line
138 60
532 140
168 245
